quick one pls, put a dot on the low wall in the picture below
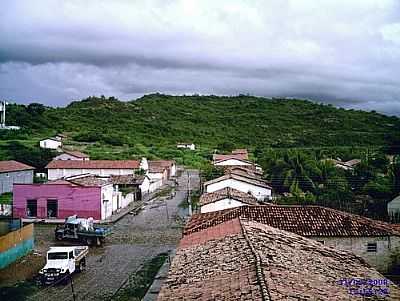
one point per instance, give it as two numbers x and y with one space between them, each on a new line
16 244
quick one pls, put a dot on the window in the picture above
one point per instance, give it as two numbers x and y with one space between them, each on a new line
31 208
52 208
71 255
372 247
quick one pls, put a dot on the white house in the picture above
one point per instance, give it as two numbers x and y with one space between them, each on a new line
51 143
190 146
229 161
393 209
72 155
224 199
139 185
258 188
170 165
58 169
14 172
158 175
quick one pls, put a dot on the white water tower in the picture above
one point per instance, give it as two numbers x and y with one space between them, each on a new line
3 114
3 117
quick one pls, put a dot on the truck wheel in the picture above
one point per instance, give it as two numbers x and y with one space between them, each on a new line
82 266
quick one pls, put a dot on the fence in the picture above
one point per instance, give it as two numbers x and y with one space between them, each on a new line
16 244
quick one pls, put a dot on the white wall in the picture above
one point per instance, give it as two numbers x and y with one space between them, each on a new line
381 260
107 208
48 143
155 184
173 170
259 192
56 173
145 186
221 205
231 162
393 206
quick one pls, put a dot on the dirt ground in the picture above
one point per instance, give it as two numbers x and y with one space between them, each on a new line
134 240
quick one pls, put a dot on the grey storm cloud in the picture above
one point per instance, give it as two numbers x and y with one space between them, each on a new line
345 52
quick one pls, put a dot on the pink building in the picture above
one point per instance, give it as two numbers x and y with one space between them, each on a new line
61 199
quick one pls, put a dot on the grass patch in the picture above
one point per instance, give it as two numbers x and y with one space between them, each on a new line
18 292
141 281
164 192
6 198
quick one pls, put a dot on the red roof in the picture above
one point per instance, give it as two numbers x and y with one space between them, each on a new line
219 231
94 164
9 166
76 154
218 157
227 193
302 220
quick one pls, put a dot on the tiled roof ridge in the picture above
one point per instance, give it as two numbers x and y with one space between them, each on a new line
365 220
259 269
216 221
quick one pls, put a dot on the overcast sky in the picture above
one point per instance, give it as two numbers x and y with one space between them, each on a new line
345 52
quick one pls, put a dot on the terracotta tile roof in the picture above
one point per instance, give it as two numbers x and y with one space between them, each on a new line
76 154
219 158
165 163
127 179
89 180
240 151
60 182
302 220
244 169
249 180
94 164
9 166
216 232
155 168
227 193
245 260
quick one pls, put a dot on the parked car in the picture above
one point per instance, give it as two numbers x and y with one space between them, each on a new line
61 262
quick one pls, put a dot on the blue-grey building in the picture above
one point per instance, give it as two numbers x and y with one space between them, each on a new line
14 172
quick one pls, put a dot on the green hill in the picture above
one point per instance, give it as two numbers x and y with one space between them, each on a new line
151 125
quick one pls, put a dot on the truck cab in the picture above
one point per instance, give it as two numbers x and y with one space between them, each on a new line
61 262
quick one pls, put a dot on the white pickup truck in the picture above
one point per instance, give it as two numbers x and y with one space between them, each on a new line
61 262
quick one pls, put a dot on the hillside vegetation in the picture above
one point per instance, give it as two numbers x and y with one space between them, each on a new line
289 138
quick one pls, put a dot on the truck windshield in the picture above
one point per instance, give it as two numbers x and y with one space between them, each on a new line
58 255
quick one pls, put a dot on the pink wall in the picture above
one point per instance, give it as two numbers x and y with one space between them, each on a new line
83 201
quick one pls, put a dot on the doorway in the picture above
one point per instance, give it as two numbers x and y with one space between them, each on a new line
52 208
31 208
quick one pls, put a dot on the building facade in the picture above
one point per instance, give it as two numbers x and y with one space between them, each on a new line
52 200
58 169
14 172
51 143
258 189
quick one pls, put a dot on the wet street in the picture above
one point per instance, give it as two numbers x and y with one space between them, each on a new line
135 240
